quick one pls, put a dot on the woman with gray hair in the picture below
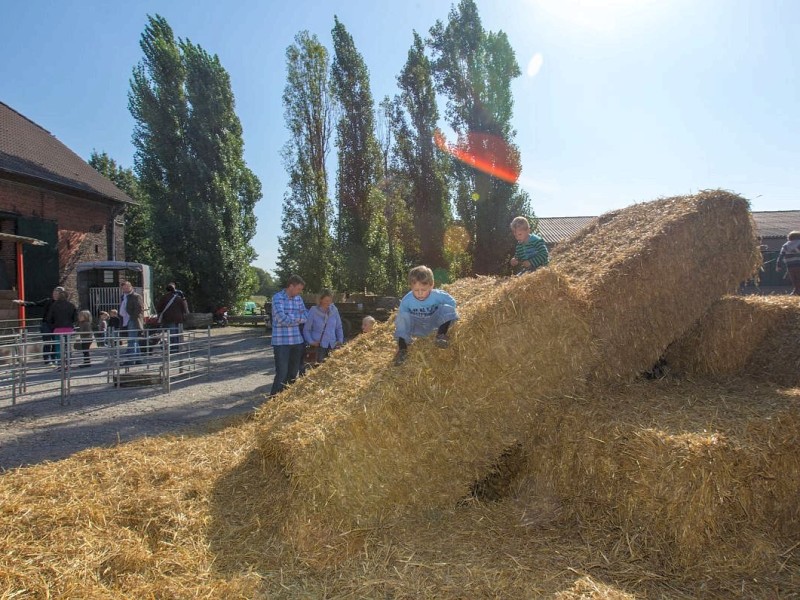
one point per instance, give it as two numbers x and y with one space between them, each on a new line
323 330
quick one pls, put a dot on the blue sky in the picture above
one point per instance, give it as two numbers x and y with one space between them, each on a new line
620 101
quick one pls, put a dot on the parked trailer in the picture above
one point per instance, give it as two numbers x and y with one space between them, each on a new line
98 284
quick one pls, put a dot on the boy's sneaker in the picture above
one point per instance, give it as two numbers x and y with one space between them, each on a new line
442 341
400 357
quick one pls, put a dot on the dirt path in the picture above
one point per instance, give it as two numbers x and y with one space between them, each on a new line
40 429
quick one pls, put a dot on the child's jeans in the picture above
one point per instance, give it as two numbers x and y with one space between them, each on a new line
407 325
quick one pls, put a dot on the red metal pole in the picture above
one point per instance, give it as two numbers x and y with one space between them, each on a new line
20 284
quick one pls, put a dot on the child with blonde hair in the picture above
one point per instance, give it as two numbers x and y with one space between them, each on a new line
531 251
367 323
85 336
422 311
102 327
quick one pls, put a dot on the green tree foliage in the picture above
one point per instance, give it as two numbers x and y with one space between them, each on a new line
139 246
359 164
306 244
402 242
189 158
265 283
474 69
416 158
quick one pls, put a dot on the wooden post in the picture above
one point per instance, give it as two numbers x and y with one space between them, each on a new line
20 284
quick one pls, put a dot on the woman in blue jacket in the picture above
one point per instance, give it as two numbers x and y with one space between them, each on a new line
323 329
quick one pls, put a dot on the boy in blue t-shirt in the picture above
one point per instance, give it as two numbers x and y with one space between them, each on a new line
422 311
531 251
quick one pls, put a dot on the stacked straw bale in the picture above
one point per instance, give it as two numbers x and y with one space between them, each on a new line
750 335
652 269
360 438
362 441
687 485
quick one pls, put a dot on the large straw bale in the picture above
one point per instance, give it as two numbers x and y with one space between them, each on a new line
652 269
362 439
753 335
694 475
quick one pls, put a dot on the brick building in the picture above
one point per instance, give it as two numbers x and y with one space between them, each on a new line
49 193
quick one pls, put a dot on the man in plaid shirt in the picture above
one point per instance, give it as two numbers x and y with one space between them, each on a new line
288 314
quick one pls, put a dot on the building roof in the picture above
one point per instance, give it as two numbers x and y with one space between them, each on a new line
555 229
776 223
769 224
32 155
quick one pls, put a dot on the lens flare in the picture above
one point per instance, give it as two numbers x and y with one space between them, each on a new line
485 152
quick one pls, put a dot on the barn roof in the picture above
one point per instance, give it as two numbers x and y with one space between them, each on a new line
31 155
555 229
776 223
769 224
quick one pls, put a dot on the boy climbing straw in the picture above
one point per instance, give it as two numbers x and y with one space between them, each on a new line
422 311
531 252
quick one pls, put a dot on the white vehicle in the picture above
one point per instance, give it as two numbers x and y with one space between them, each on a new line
98 284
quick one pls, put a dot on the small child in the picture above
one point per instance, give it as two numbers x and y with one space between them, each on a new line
114 325
367 323
422 311
531 252
85 335
102 327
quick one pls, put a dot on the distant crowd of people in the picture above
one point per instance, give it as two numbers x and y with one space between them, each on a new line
61 318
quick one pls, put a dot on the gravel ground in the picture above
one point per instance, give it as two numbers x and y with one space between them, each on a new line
39 429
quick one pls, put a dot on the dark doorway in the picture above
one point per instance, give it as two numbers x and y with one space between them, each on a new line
41 262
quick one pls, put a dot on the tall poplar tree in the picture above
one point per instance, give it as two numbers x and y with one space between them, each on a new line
189 159
306 245
474 69
359 164
402 242
417 159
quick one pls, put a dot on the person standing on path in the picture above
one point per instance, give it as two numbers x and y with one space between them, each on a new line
131 312
85 336
288 314
61 317
48 339
172 308
789 257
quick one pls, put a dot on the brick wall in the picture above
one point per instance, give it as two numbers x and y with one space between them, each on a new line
116 232
83 225
8 254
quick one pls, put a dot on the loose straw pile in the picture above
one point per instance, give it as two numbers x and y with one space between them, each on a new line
524 461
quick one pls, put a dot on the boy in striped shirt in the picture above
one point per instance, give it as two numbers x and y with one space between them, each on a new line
531 252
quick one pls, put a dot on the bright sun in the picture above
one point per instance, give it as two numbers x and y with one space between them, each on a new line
598 15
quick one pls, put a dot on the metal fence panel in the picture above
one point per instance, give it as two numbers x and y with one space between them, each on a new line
33 364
